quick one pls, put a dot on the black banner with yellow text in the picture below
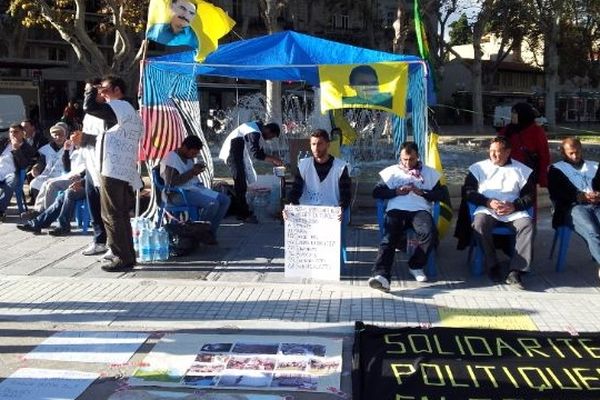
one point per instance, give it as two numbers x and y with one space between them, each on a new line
457 363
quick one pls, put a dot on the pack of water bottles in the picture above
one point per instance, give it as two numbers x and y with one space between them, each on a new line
151 244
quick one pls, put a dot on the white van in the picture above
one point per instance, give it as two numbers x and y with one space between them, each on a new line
502 117
12 111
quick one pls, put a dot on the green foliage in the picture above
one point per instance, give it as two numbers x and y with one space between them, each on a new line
460 31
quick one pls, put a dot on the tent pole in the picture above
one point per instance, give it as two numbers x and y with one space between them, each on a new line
140 102
237 100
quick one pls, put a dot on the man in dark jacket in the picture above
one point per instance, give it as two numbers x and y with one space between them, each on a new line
15 154
574 187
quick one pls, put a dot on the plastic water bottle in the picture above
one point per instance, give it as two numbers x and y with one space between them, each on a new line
135 233
163 250
145 245
155 245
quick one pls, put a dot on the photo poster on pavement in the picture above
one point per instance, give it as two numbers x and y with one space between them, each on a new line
312 242
89 347
243 362
45 384
468 364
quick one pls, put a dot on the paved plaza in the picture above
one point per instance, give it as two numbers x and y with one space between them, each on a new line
46 285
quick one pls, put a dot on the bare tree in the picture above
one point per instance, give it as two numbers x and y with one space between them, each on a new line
69 18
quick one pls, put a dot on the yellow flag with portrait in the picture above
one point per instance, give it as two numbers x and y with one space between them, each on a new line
381 86
193 23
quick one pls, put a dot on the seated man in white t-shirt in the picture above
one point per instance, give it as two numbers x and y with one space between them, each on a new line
179 170
410 188
502 189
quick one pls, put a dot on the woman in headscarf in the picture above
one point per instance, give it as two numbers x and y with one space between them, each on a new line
528 141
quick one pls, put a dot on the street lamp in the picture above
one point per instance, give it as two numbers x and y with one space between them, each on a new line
580 82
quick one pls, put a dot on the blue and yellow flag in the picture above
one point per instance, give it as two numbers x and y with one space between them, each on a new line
193 23
381 86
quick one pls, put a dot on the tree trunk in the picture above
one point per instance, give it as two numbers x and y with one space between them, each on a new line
478 30
270 13
477 79
551 69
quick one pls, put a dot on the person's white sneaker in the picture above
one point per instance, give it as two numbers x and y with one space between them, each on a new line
108 256
94 248
418 274
379 282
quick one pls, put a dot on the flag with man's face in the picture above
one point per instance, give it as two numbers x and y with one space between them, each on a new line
193 23
381 86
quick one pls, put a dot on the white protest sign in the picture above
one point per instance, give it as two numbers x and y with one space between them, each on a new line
44 384
312 242
89 346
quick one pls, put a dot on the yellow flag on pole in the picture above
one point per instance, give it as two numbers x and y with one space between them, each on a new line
434 161
194 23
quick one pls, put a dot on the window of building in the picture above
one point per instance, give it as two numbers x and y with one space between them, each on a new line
339 21
57 54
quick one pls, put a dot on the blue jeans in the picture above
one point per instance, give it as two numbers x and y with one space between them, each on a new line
62 209
92 194
585 219
212 209
7 188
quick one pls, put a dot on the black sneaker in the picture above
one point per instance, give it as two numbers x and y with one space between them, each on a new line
60 231
514 279
116 265
29 228
495 274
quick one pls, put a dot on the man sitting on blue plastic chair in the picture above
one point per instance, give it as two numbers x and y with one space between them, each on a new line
574 186
15 154
502 189
177 169
62 209
411 188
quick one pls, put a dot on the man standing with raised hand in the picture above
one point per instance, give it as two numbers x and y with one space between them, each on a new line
116 154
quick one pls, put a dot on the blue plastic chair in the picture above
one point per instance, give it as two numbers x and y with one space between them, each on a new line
431 268
82 215
163 205
19 194
477 261
562 234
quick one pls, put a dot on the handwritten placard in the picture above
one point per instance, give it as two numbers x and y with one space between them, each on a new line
312 242
121 144
44 384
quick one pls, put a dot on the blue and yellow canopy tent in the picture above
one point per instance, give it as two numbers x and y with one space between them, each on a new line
292 56
283 56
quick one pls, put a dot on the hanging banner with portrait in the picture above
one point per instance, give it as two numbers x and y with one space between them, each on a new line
193 23
381 86
463 363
